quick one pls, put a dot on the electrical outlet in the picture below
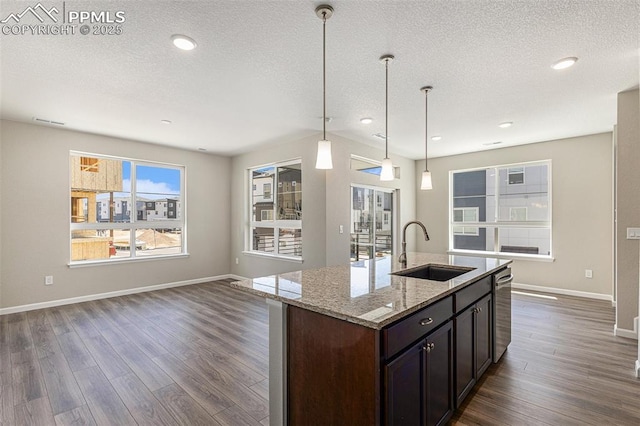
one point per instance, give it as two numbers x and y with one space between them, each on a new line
341 229
237 261
588 273
48 280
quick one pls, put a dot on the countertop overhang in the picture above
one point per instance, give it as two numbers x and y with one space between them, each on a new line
365 292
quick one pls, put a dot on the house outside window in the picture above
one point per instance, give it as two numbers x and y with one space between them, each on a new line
275 220
502 210
104 191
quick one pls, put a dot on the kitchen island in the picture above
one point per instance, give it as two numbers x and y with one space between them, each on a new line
356 344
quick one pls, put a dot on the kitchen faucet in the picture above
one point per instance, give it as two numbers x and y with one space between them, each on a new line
403 257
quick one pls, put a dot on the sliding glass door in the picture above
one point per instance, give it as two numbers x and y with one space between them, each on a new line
371 222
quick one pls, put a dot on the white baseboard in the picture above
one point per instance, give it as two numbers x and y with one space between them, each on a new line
638 368
60 302
563 291
624 332
236 277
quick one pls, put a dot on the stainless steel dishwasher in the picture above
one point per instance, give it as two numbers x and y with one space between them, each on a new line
501 312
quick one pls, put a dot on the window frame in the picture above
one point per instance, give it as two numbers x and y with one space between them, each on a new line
497 224
276 224
133 224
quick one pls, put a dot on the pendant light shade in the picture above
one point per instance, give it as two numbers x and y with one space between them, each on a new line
426 181
426 175
386 174
323 158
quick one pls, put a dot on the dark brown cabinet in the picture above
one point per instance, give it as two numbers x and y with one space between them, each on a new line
473 345
419 382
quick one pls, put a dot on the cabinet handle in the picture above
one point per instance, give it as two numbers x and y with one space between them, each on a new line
429 347
426 321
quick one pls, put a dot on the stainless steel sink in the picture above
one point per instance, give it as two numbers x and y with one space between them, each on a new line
434 272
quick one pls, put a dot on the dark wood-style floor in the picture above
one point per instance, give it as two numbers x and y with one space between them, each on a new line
198 355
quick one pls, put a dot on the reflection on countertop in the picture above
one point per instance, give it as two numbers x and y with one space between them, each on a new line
364 292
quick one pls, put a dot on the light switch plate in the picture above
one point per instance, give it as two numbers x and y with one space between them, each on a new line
633 233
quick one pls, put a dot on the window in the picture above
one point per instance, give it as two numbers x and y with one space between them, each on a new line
106 190
516 175
502 209
372 167
276 219
465 214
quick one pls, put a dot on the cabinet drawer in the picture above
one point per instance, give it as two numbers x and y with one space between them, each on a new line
471 293
402 334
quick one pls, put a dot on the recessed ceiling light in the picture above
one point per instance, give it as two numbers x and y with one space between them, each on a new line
165 121
183 42
366 120
436 138
564 63
505 124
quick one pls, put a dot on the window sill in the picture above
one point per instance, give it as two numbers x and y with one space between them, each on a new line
86 263
274 256
512 256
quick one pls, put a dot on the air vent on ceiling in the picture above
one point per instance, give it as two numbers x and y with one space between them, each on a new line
379 136
45 121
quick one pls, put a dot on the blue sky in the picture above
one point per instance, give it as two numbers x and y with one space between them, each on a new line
152 180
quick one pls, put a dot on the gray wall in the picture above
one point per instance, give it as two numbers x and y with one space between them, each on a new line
582 209
628 208
326 202
35 216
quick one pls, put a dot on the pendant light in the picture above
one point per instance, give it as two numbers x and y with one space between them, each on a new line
386 174
323 159
426 175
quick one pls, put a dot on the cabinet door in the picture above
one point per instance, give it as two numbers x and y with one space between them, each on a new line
464 353
404 379
439 375
483 334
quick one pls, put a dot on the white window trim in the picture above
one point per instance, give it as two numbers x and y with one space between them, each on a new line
505 224
180 222
276 225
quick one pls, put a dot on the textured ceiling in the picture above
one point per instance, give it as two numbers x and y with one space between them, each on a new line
256 76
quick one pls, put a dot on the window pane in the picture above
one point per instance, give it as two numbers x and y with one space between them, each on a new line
97 244
158 193
525 240
473 238
290 192
263 239
290 242
261 194
473 196
93 181
154 242
532 196
500 195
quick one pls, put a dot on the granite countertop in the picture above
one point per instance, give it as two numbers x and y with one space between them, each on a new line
364 292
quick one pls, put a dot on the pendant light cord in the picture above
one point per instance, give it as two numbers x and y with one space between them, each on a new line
386 108
324 78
